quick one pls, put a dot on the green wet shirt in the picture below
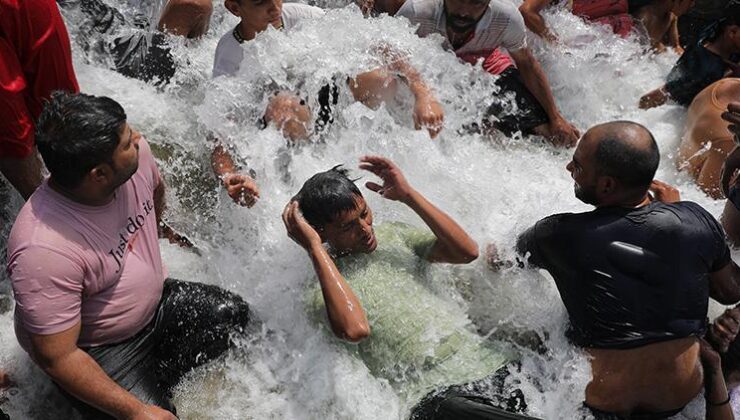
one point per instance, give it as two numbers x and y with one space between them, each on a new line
418 340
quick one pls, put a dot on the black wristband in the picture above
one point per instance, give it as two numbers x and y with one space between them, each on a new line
719 404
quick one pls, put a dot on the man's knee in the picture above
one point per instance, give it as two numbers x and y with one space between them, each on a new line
374 87
232 311
290 114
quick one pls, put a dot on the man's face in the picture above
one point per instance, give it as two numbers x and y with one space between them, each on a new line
352 231
257 14
583 170
125 157
463 15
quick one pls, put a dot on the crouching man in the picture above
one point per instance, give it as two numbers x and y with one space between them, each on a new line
635 275
93 307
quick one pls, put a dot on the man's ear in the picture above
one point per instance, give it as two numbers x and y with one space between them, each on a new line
233 7
606 185
101 174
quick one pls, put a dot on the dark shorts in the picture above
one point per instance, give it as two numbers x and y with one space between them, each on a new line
135 50
194 324
327 99
485 399
528 113
603 415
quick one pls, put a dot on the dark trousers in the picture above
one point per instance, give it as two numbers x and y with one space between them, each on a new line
194 324
485 399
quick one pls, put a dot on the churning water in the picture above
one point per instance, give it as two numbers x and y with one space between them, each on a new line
495 187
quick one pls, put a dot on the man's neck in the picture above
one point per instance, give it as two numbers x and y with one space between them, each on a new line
247 33
78 196
458 39
629 203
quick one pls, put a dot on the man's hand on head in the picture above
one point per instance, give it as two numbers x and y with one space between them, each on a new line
242 189
663 192
428 113
299 230
395 187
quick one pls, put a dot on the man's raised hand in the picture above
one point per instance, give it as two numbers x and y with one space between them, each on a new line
395 187
298 228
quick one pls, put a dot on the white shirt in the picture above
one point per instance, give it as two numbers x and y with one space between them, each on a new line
229 52
501 26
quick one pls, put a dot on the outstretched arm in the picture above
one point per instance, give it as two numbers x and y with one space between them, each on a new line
345 312
530 11
428 112
453 244
715 394
563 132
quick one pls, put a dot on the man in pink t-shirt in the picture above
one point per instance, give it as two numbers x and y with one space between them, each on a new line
93 308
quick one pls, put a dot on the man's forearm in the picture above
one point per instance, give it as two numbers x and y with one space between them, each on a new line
80 375
536 82
222 162
346 315
398 64
457 243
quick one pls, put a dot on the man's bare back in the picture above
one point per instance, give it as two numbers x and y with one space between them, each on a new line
707 141
654 378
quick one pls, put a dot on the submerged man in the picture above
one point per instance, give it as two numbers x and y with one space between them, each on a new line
606 12
290 113
136 41
418 340
714 57
35 60
635 274
729 180
707 141
93 307
475 30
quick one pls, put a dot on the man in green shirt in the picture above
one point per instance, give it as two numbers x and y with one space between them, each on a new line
420 342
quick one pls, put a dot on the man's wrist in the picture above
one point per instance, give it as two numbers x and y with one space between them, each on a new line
411 198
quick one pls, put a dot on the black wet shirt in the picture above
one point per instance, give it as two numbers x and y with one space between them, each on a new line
630 277
695 70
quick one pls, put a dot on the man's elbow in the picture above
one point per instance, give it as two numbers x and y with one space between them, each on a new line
527 13
468 255
357 333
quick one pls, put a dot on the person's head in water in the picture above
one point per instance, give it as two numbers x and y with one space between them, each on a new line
86 143
463 15
256 15
614 164
334 206
726 30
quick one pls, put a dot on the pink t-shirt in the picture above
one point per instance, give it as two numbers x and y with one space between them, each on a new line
99 265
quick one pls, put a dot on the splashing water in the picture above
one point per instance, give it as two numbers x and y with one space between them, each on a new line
495 187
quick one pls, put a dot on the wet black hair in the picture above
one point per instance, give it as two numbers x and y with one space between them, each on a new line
326 195
633 165
76 132
730 17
